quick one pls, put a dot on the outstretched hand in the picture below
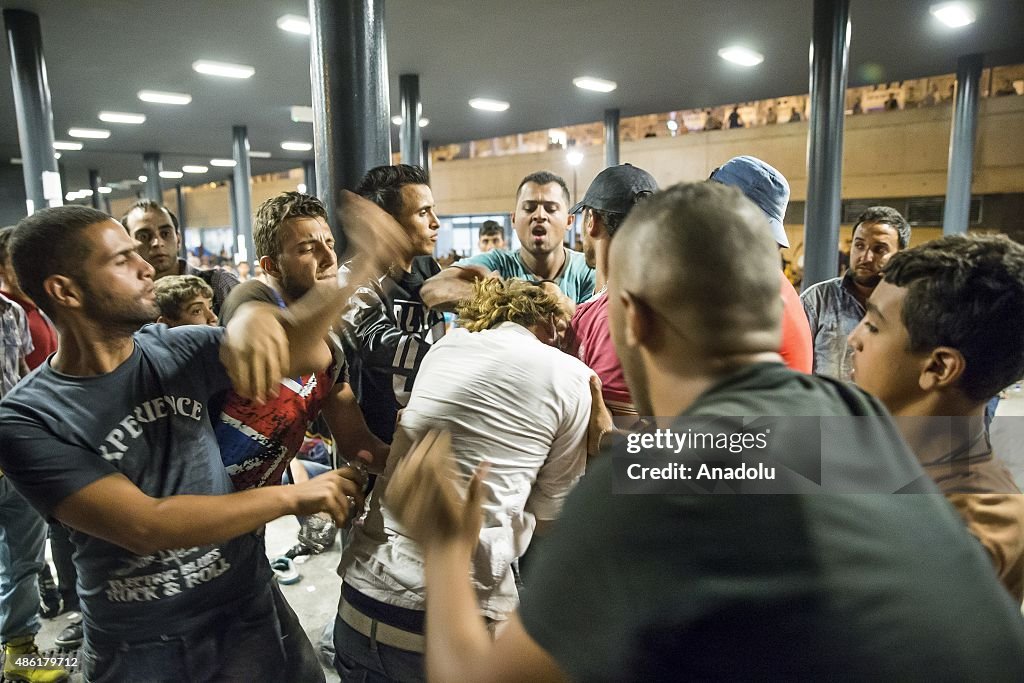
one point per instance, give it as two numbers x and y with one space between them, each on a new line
426 500
600 418
372 233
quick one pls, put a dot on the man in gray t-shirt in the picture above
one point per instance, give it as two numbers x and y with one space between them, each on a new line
113 438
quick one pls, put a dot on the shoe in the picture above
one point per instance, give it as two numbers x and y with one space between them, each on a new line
298 550
49 596
70 638
25 646
285 571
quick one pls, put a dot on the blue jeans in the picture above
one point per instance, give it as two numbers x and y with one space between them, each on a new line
238 642
357 659
22 547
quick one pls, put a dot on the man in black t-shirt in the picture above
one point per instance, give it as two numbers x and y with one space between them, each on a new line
843 581
388 328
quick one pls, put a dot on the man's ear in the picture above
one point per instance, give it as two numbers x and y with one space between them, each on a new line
512 216
637 320
943 368
593 226
571 220
64 291
162 319
269 266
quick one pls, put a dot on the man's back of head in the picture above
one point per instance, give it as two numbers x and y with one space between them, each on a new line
699 257
383 185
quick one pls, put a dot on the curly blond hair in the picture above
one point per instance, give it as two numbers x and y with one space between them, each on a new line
518 301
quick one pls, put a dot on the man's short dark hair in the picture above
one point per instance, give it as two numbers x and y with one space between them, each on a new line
271 215
383 185
545 178
491 228
149 205
175 291
966 292
51 242
5 240
889 216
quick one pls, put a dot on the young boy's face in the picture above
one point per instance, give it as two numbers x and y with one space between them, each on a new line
196 311
883 364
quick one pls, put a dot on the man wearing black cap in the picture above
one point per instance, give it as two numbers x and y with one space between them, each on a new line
768 188
609 198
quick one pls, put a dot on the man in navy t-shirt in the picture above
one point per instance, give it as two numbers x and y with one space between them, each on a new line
113 438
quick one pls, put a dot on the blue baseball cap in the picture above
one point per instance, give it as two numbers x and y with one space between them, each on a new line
762 185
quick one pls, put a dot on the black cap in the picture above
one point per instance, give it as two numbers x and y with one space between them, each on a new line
617 189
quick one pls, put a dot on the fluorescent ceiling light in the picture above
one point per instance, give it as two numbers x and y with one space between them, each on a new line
574 158
672 124
143 178
595 84
122 117
173 175
293 23
301 187
195 169
71 196
226 163
260 155
56 155
953 14
92 133
424 121
67 146
302 114
159 97
297 146
105 189
485 104
225 69
85 193
743 56
16 161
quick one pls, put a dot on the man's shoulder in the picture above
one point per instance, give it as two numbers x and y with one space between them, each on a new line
822 289
505 262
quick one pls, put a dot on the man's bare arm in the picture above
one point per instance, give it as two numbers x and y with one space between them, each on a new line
114 509
445 290
348 426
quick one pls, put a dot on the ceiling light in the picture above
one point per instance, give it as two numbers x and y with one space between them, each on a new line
173 175
227 163
105 189
92 133
424 122
122 117
301 114
953 14
673 125
297 146
301 187
397 120
85 193
574 158
195 169
485 104
159 97
595 84
56 155
741 55
67 146
225 69
260 155
293 23
71 196
16 161
143 178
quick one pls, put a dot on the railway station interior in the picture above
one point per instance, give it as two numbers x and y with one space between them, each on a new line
347 195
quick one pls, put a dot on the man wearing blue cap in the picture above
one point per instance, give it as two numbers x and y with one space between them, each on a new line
768 189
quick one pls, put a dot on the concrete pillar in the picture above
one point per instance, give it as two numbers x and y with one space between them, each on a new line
956 216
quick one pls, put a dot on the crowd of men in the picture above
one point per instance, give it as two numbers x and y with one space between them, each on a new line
480 466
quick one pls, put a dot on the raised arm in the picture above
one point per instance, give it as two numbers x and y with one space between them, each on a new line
445 290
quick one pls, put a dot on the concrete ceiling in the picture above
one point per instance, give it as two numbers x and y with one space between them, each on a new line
662 53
